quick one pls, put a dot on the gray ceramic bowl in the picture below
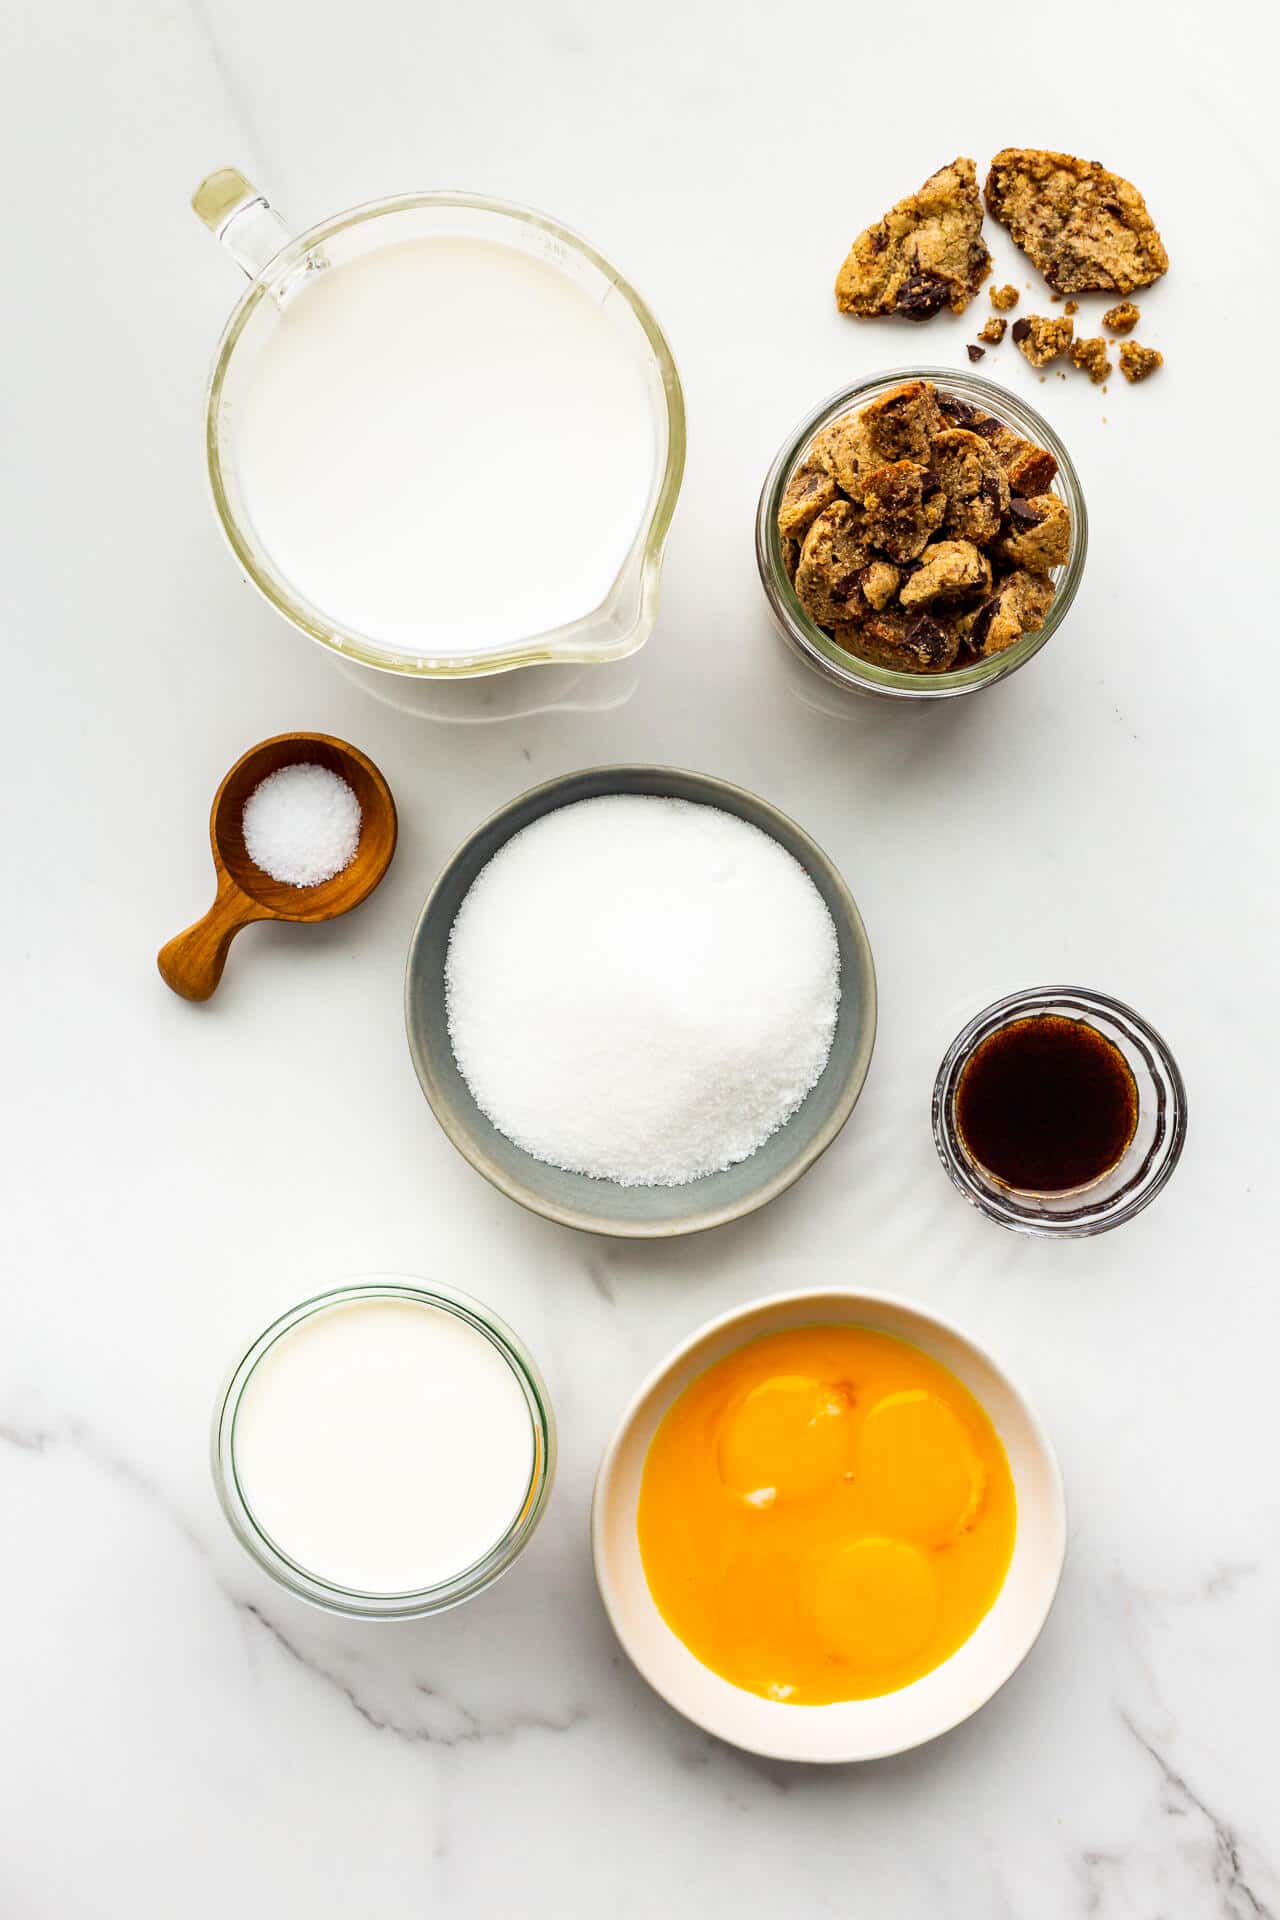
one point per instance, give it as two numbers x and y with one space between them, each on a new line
601 1206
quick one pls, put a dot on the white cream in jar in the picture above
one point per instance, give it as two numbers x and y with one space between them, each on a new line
384 1445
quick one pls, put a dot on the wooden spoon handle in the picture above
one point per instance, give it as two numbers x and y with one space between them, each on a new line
192 962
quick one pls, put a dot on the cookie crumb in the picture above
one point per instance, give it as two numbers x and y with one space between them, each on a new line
1002 298
1042 337
992 330
1138 363
1072 306
1091 357
1122 318
976 354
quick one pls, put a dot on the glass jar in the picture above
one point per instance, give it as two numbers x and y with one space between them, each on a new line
278 266
1143 1168
802 633
470 1580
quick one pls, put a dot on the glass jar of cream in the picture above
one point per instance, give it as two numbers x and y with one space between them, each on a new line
385 1450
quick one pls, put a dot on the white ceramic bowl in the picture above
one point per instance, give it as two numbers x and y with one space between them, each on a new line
849 1729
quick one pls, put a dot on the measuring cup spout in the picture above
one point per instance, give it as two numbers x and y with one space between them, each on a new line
241 218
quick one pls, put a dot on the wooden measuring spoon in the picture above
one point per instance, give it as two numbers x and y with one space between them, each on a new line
192 962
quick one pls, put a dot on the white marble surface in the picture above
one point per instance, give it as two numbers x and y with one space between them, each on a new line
181 1738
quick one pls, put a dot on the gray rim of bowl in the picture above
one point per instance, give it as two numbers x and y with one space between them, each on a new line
856 1296
715 792
815 647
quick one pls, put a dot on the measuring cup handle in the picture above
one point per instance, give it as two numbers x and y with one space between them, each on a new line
242 218
192 962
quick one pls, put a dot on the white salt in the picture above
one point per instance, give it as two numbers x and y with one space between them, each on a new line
641 989
302 824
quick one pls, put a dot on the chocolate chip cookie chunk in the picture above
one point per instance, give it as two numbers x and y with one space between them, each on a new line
1018 606
810 491
1028 467
906 643
925 254
904 506
829 572
900 424
1087 230
1042 337
975 484
1037 534
947 570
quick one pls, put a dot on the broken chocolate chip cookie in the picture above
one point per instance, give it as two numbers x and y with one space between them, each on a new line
1087 230
925 254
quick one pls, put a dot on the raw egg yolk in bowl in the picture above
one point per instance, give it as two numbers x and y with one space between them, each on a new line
825 1514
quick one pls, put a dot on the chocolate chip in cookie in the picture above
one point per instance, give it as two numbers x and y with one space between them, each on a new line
925 254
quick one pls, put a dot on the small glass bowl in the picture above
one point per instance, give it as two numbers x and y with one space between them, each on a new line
1142 1169
816 648
387 1606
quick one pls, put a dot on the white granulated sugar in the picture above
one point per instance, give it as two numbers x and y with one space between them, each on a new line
641 989
302 824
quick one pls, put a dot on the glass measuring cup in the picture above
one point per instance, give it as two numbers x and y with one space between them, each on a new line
279 266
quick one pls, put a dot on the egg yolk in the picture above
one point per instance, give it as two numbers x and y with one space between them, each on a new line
876 1601
920 1471
825 1514
787 1439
